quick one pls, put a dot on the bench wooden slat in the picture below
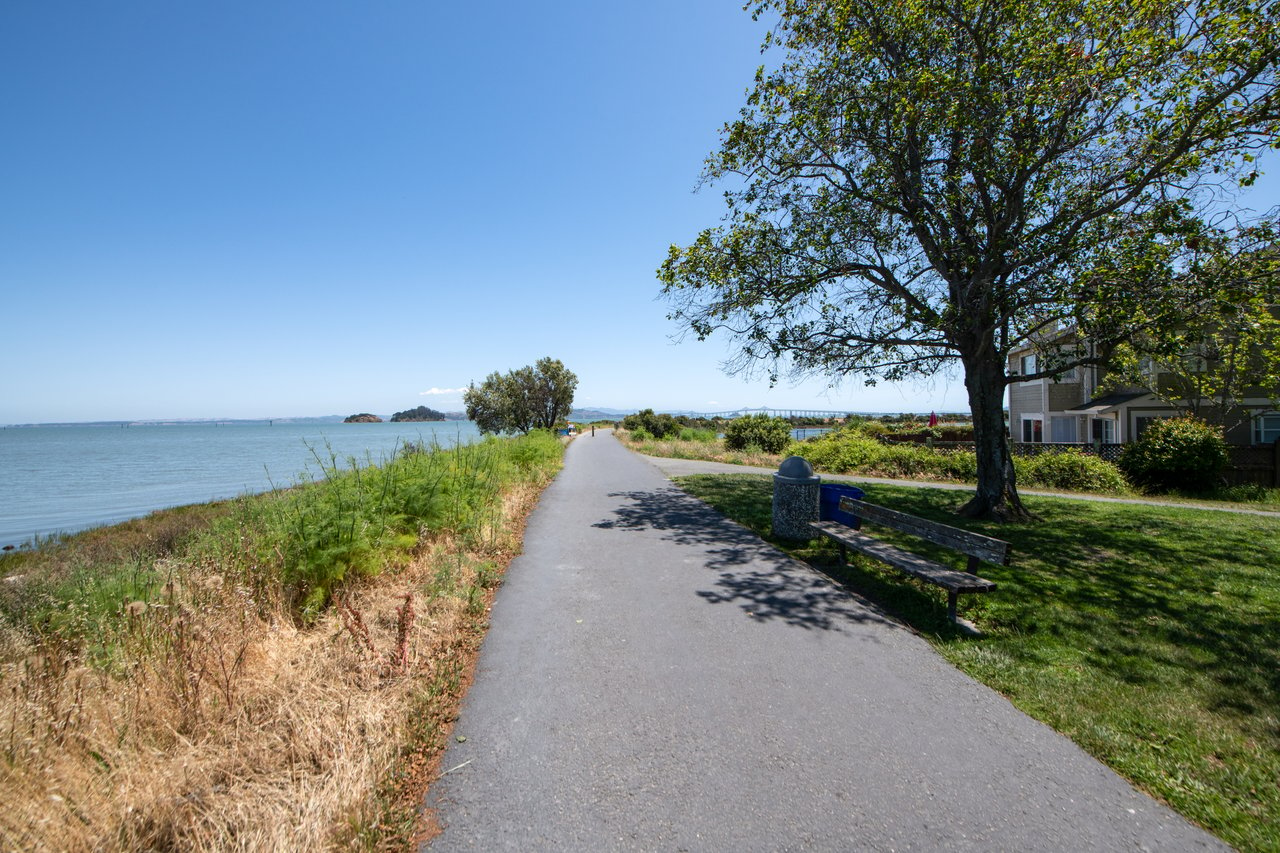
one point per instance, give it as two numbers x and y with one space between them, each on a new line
966 542
976 546
913 564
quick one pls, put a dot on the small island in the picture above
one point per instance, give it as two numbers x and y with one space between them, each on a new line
363 418
422 413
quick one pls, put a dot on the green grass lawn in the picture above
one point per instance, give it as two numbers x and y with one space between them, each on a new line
1148 635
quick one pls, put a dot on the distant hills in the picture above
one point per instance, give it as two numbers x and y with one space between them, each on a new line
600 414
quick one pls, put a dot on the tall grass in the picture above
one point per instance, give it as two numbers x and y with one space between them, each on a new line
255 674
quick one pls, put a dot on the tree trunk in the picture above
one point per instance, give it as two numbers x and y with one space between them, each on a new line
997 496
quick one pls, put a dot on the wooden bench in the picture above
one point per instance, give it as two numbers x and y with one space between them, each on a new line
977 547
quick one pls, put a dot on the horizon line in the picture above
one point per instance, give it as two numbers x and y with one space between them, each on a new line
601 409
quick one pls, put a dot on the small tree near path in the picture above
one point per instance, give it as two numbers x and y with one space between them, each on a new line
928 184
537 397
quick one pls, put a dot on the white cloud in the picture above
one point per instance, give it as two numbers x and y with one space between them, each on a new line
434 392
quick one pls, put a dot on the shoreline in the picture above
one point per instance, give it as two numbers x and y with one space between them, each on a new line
62 480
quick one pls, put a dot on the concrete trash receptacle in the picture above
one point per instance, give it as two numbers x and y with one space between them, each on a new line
795 498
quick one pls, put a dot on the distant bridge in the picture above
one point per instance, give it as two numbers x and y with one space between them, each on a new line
815 414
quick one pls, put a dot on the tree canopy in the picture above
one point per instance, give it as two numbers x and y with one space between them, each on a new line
921 184
537 397
1228 349
419 413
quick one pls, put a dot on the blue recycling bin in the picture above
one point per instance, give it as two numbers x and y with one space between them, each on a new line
829 496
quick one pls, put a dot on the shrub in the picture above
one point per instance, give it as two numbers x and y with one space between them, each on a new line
1177 453
1072 470
961 465
770 435
658 426
702 436
907 462
840 452
922 463
872 428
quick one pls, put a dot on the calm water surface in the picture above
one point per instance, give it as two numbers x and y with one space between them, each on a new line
64 479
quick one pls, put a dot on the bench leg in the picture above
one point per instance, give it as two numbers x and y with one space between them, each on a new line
844 554
951 606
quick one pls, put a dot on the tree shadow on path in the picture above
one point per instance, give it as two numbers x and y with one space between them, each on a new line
764 582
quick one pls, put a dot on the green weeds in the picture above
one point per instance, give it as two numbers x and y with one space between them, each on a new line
291 546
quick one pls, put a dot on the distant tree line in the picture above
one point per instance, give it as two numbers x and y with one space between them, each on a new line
665 425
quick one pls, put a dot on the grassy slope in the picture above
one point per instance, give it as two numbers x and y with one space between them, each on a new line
176 682
1149 635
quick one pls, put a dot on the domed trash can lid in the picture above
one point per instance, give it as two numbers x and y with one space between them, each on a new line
796 469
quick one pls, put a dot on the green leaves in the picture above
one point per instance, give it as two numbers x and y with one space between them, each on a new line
537 397
919 182
758 432
1178 453
1214 351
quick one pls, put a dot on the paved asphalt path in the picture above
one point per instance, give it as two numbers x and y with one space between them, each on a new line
658 678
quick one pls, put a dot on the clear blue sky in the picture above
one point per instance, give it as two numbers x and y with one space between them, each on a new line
303 208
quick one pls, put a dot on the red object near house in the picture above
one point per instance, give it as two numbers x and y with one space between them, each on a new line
933 419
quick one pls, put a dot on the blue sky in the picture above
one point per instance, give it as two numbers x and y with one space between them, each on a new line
287 208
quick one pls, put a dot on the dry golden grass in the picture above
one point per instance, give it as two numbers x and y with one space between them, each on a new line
710 451
221 725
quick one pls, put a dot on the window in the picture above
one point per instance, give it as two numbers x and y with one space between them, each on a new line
1071 375
1063 430
1104 430
1266 428
1027 365
1032 430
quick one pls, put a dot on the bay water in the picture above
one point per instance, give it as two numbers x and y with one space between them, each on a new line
62 479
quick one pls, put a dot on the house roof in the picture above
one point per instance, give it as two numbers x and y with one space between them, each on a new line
1108 402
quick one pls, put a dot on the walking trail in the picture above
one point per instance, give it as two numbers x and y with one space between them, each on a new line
656 677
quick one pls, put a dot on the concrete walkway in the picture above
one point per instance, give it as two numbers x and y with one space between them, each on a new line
658 678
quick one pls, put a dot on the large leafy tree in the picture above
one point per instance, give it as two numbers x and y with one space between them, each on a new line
920 184
532 397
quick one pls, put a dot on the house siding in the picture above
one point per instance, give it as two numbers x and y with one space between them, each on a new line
1024 398
1064 396
1054 400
